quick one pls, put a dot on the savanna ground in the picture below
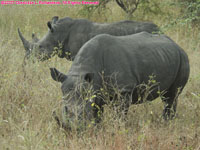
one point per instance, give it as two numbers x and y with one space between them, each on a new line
28 95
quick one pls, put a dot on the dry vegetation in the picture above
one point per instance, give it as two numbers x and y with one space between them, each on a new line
28 95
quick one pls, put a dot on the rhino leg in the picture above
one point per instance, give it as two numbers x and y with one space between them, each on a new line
126 104
123 104
170 98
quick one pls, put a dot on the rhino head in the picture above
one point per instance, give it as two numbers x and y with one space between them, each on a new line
49 45
79 106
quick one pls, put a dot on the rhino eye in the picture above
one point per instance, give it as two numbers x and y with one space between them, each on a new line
40 46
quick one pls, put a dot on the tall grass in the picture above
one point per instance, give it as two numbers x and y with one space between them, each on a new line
28 95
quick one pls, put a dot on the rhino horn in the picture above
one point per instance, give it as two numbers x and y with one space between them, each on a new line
26 43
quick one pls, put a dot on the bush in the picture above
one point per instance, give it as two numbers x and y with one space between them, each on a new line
191 11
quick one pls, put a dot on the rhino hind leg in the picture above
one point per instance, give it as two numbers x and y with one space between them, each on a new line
170 99
171 96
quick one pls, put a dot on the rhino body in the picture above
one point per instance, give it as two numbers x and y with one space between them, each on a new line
68 35
132 60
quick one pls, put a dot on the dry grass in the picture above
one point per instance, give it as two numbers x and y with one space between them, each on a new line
28 95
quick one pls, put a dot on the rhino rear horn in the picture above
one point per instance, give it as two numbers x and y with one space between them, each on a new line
26 43
55 19
34 38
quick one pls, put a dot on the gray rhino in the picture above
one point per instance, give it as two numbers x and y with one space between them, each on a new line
68 35
132 59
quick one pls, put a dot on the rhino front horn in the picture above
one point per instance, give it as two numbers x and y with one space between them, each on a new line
26 43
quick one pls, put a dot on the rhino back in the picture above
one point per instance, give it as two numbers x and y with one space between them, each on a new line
89 58
135 58
84 30
131 59
79 35
123 28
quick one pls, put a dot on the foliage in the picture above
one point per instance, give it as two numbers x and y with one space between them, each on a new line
190 11
129 6
89 10
151 7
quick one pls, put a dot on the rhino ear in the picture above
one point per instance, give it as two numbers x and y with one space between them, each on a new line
57 76
89 77
50 26
55 19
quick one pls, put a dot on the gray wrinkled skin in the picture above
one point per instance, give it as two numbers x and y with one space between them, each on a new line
70 34
132 59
